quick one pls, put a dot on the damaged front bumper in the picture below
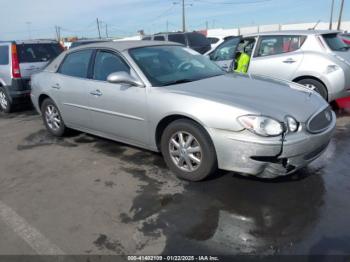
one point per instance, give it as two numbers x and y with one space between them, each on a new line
269 157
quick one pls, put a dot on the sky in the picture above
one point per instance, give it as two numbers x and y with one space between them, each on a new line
23 19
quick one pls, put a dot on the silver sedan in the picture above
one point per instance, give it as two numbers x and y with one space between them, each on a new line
167 98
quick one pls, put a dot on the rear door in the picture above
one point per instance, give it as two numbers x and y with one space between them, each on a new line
225 53
34 56
277 56
70 86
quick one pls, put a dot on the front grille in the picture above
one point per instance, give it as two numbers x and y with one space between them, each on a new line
320 121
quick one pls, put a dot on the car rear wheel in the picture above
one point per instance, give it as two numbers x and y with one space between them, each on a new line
5 103
52 118
316 86
188 150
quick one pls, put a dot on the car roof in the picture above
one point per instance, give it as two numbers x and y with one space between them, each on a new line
34 41
91 40
296 32
124 45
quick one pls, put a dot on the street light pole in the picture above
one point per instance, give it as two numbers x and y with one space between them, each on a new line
183 17
331 21
340 14
98 28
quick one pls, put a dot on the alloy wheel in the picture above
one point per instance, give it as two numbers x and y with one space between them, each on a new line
52 117
185 151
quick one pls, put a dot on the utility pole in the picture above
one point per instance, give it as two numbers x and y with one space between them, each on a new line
106 30
206 25
340 14
167 26
29 29
331 21
98 28
183 17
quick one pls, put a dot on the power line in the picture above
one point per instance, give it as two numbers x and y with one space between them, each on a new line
233 3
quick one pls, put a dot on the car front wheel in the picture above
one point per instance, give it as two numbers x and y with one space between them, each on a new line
188 150
52 118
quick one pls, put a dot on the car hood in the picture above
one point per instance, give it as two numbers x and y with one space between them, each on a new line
256 94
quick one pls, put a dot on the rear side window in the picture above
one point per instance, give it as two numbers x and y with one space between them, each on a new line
76 64
32 53
335 43
195 39
275 45
159 38
107 63
178 38
4 55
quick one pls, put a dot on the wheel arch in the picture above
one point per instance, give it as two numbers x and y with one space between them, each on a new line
167 120
299 78
41 99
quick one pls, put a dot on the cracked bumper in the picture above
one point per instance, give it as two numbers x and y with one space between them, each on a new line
246 153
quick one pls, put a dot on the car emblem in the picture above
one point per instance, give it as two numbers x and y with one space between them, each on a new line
328 116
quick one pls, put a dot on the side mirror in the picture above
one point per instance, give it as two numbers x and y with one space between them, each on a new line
123 78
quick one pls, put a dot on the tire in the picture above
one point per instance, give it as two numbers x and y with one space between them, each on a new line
194 165
52 118
5 102
316 85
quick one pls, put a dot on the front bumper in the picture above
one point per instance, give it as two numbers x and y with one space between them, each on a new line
246 153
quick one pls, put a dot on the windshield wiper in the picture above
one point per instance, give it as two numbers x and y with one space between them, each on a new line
180 81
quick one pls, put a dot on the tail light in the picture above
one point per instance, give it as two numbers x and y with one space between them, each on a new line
16 72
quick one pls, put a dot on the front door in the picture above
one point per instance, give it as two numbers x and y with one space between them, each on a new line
117 110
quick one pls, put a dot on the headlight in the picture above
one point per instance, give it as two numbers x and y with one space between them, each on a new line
292 124
261 125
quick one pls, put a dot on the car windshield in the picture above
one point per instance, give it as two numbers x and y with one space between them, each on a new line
335 43
167 65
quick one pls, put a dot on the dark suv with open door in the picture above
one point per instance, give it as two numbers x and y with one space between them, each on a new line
193 40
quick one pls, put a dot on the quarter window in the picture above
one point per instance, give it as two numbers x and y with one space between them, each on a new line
107 63
275 45
76 64
4 55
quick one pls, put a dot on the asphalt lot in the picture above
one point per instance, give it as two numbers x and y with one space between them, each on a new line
88 195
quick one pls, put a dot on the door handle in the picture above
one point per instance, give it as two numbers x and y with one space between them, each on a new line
56 86
96 93
289 61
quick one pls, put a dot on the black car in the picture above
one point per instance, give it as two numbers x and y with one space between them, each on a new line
193 40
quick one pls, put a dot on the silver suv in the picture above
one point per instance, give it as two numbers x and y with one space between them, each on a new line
18 61
319 60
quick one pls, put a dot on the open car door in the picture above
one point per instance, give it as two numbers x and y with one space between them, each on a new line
224 55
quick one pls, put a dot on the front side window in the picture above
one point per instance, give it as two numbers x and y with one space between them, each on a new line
33 53
279 44
76 64
178 38
107 63
4 55
335 43
167 65
226 51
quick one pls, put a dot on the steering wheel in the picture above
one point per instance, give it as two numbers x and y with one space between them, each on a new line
184 66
